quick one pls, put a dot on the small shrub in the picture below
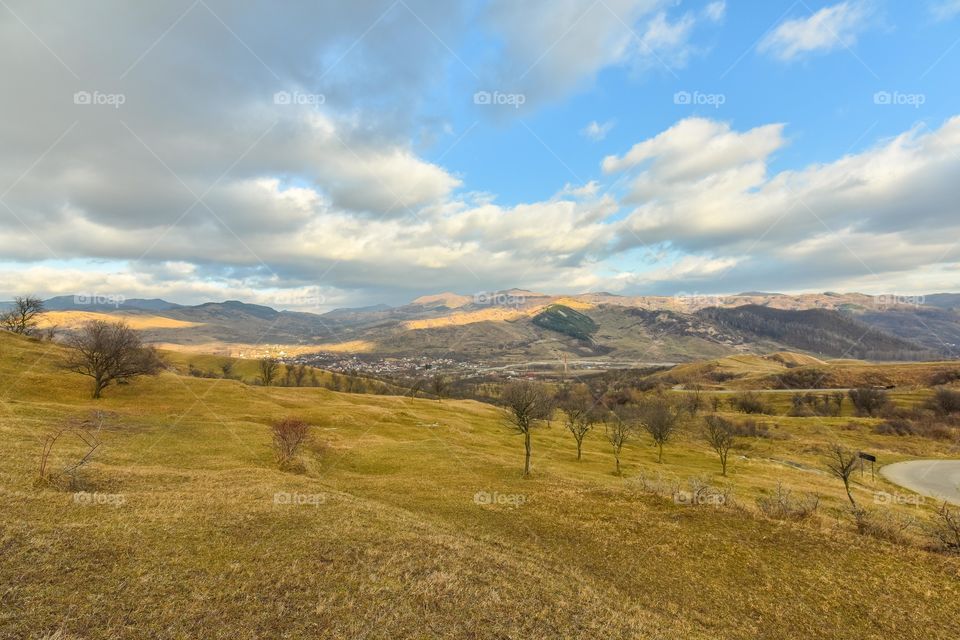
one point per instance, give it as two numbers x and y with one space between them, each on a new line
288 435
946 528
782 505
895 427
751 429
869 401
944 377
750 402
945 402
883 525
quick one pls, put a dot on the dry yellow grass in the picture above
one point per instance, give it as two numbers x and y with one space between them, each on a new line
196 533
493 314
73 319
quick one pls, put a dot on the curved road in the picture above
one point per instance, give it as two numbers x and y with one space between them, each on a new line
938 479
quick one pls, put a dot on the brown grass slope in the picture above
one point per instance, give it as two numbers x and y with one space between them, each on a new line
396 546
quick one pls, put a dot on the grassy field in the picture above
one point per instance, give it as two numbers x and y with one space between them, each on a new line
410 520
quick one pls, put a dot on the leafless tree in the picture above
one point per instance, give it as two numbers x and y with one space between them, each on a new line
23 317
269 368
526 404
621 427
299 374
581 413
841 464
109 352
720 435
439 385
660 419
869 401
693 399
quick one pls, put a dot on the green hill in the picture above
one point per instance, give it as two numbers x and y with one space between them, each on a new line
569 322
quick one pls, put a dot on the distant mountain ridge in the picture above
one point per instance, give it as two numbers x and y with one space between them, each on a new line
517 324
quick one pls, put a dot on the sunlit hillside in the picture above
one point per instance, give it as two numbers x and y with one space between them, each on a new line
409 519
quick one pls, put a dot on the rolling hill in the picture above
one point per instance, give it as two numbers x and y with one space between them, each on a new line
518 325
409 519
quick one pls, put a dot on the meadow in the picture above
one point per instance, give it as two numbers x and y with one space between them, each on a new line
409 519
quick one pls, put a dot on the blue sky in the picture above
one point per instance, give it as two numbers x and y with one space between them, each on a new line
825 98
328 155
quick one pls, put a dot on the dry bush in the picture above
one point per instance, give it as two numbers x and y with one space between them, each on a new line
883 524
63 470
750 402
945 402
783 505
288 435
752 429
945 528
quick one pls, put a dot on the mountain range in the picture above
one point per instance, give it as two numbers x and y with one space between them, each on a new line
517 325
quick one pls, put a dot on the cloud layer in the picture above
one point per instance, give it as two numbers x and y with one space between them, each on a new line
213 149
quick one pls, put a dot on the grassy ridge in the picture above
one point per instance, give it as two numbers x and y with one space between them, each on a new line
396 546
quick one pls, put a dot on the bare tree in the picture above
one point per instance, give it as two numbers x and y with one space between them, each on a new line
299 374
693 398
580 415
526 403
22 318
621 428
109 352
720 435
869 401
715 403
661 420
269 368
841 464
439 385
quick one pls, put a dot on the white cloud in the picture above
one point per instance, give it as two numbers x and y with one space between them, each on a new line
715 11
945 9
883 213
596 131
555 47
827 29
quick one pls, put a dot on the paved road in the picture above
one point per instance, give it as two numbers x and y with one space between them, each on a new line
934 478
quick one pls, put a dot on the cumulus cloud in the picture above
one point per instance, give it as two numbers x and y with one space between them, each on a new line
823 224
828 29
203 185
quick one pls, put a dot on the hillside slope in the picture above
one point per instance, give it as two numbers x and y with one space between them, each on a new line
395 529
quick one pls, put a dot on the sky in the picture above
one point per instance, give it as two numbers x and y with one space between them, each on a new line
314 155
